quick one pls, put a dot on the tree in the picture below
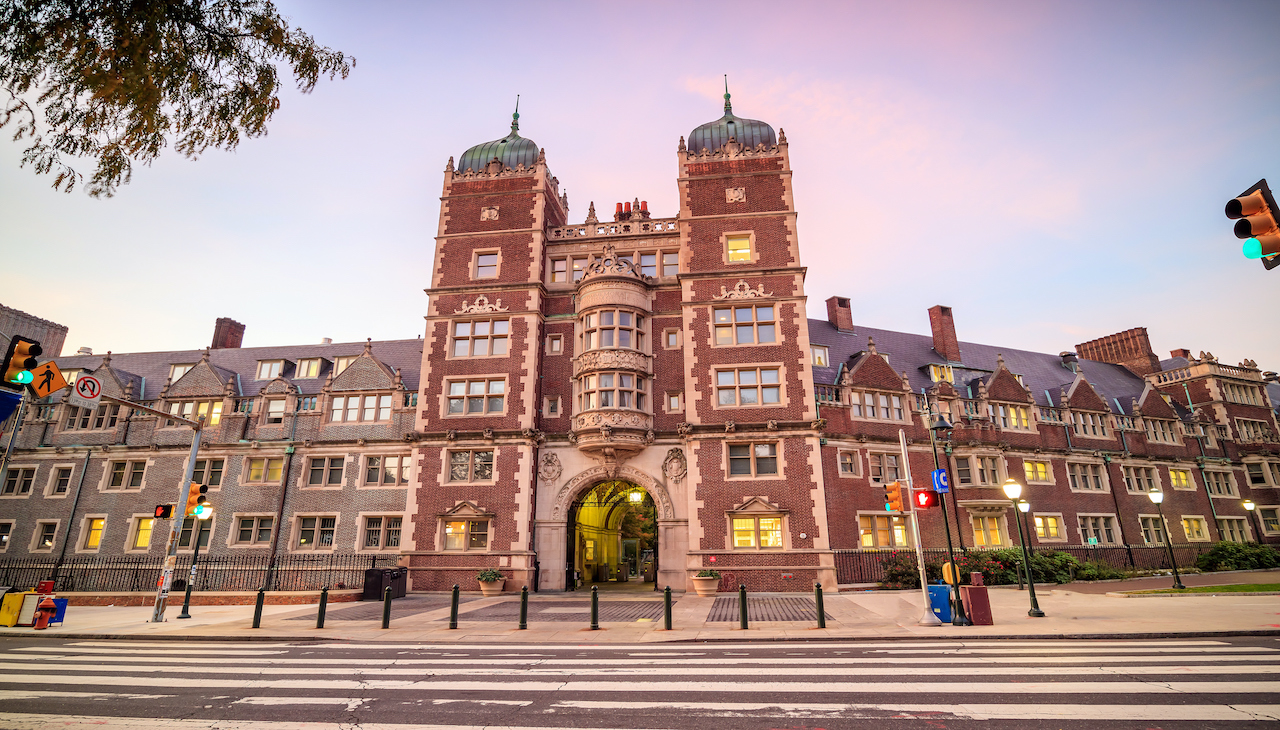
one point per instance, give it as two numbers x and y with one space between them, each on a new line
118 80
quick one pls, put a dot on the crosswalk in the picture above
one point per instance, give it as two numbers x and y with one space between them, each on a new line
296 686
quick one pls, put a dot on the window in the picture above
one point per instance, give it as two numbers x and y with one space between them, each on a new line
551 407
275 410
268 369
649 264
1251 430
6 531
466 535
1097 529
470 466
739 248
1086 477
476 397
105 416
863 405
1160 430
1220 484
61 480
939 373
343 363
849 463
673 402
745 325
818 356
325 471
126 475
1152 530
1181 479
254 530
613 328
142 533
1090 424
360 408
1245 394
1139 479
316 533
480 338
1270 519
188 524
1233 529
987 532
177 371
1012 416
757 532
1037 471
670 263
671 339
1049 527
883 531
208 472
884 468
265 471
387 471
209 410
579 267
611 390
244 405
309 403
382 532
748 387
555 344
93 527
977 470
45 532
308 368
753 459
486 266
17 482
559 271
1257 473
1195 529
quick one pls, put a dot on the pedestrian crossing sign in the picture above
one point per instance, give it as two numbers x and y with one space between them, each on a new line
47 380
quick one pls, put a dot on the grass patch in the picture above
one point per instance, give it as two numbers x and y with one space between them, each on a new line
1242 588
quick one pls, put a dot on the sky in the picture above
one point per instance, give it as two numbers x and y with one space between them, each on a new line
1054 172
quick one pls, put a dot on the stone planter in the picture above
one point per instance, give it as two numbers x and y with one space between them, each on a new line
492 588
706 587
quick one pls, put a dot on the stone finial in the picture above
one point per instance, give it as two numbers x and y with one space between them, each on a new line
906 383
782 136
397 382
368 345
1000 362
204 356
229 389
128 390
449 167
871 346
591 213
1133 406
542 156
106 361
681 148
165 390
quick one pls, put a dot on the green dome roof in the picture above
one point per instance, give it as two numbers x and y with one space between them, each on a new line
511 150
747 132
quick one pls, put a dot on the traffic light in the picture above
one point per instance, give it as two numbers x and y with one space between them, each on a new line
195 498
1255 214
893 497
164 511
926 498
19 361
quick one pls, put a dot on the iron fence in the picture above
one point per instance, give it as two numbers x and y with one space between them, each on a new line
133 573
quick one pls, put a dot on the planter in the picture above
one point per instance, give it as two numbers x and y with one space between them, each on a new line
492 587
706 587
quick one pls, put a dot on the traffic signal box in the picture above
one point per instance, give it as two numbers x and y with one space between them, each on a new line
893 496
926 498
164 511
18 363
1255 214
196 500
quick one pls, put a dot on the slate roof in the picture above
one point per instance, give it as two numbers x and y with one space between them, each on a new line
152 368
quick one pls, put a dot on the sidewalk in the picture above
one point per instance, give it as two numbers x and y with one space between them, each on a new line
1070 613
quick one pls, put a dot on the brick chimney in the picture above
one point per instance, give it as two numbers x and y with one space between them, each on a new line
839 314
227 334
1182 352
944 333
1131 349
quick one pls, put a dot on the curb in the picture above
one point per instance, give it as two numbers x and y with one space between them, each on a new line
1129 594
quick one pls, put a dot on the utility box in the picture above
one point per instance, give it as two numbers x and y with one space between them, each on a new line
978 604
377 580
10 607
940 602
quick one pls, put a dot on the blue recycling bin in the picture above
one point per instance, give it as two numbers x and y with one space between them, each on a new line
940 602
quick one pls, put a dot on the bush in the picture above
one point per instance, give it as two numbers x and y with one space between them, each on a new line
902 571
1095 570
707 573
1239 556
1001 566
489 575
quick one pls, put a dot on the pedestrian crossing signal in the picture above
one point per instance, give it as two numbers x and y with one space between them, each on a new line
19 361
164 511
926 498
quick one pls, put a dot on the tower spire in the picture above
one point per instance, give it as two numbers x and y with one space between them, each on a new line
728 108
515 117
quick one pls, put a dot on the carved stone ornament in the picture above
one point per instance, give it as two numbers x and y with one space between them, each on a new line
772 425
480 306
735 195
611 360
610 263
489 213
730 426
675 466
819 424
549 467
684 429
488 433
361 442
573 437
742 290
451 435
649 436
534 435
606 432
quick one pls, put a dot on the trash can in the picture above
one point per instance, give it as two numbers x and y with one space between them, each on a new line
940 602
976 601
399 582
377 580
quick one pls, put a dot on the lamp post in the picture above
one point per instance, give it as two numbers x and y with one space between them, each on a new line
1013 490
1249 507
1158 497
939 425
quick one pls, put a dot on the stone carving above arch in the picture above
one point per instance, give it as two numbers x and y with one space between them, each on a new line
588 478
481 306
675 466
549 467
742 290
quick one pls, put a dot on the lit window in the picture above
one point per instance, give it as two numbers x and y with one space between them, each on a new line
1049 527
762 532
486 266
559 271
93 533
753 459
883 531
1180 479
268 369
209 410
325 471
1013 416
579 267
466 535
476 397
748 387
316 533
386 470
745 325
739 248
1036 471
939 373
818 354
987 532
1195 529
382 532
254 531
480 338
308 368
265 471
470 466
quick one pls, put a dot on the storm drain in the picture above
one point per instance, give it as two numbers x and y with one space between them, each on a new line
372 610
766 608
567 611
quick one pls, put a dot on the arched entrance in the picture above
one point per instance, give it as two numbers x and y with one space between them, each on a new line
612 531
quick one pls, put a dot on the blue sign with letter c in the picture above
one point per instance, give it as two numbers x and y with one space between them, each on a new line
940 481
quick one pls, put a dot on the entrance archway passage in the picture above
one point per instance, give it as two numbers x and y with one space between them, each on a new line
612 539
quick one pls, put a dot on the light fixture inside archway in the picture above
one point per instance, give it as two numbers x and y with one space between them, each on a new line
635 497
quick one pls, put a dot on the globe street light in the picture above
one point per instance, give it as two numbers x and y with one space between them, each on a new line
1249 507
1013 490
1158 497
958 619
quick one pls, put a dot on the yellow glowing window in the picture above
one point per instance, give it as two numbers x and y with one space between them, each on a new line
770 532
986 532
744 532
94 537
765 532
265 470
143 538
1037 471
739 248
1179 478
1048 527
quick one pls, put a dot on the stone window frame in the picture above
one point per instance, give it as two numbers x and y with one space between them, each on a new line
362 519
6 535
203 474
135 525
18 468
1113 523
1128 472
39 530
1062 526
939 373
756 515
548 402
466 513
1191 485
301 368
273 417
1239 522
963 463
1001 518
1004 412
759 368
1048 468
103 418
590 326
859 395
666 401
446 462
296 528
405 462
1152 428
750 235
1154 520
342 362
819 356
82 537
667 332
304 474
551 348
192 409
755 323
1204 528
51 483
490 337
894 521
871 467
104 484
1103 472
1096 420
592 391
854 458
246 469
751 443
269 369
197 528
379 405
1262 520
233 535
174 375
1267 468
467 379
475 263
1228 480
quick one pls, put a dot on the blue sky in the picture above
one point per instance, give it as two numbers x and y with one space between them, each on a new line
1053 172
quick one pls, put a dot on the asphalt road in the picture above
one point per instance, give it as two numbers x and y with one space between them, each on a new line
1231 683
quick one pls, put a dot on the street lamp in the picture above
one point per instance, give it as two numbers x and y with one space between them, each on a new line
1249 507
1013 490
1158 497
939 425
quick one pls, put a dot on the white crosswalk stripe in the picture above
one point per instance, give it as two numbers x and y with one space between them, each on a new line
238 687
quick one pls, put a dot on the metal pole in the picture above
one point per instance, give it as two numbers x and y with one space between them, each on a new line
742 606
1168 543
524 607
386 607
959 619
817 600
1026 560
191 577
257 608
595 608
171 556
324 602
928 618
666 607
453 608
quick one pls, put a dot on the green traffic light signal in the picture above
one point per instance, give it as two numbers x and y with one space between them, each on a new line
23 377
203 511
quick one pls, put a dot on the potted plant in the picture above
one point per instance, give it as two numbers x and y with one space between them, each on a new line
491 581
706 582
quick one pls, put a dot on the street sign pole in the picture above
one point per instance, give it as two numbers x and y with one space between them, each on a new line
929 618
17 421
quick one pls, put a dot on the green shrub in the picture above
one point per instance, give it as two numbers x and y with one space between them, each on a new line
1094 570
489 575
707 573
1001 566
1239 556
902 571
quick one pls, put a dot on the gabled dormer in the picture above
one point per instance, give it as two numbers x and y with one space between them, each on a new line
1089 412
1008 400
1159 419
199 393
874 390
366 391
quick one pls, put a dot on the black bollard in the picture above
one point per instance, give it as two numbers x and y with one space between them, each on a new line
257 609
595 608
324 603
524 607
453 609
742 606
666 608
386 607
817 599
